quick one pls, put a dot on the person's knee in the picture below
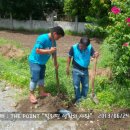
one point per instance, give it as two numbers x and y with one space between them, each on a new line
86 86
35 79
76 85
35 76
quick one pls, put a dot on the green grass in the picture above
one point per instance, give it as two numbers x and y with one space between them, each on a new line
10 42
16 71
74 33
105 57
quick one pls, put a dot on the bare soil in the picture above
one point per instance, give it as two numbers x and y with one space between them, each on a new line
97 119
63 45
52 104
10 51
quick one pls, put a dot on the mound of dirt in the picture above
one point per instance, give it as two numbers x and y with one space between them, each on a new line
97 122
46 104
10 51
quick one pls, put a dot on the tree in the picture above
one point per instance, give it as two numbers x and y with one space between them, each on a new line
5 7
25 8
77 8
99 8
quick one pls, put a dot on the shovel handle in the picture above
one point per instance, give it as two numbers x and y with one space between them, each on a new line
93 77
55 63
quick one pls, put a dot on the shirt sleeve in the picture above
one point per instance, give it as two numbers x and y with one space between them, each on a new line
71 52
41 44
92 51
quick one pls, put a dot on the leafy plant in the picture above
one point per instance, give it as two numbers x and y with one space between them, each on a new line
76 8
99 8
119 40
93 30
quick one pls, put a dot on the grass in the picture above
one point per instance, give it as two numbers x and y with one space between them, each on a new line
74 33
11 42
105 57
16 71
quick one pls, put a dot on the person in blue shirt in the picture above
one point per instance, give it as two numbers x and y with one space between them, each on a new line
81 53
38 58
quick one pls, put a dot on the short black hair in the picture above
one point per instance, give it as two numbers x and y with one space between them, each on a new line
59 30
85 41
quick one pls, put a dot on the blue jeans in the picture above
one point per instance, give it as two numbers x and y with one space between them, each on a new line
82 77
37 75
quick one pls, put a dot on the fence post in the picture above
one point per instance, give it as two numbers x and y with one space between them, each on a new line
52 20
11 21
76 23
31 22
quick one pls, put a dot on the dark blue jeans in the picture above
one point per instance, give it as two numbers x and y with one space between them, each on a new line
37 75
82 77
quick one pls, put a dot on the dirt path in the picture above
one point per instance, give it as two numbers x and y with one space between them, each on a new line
63 45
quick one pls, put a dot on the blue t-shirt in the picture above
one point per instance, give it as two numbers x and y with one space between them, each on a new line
81 58
42 42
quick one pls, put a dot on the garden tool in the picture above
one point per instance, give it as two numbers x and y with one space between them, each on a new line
93 95
55 62
63 112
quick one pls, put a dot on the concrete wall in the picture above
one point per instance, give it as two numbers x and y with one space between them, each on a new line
5 23
38 24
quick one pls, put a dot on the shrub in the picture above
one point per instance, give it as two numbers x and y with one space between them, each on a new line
118 40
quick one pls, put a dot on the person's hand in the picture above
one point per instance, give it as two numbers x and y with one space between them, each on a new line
92 59
96 54
67 70
52 50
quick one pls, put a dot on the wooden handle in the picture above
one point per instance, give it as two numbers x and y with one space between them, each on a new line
55 63
93 77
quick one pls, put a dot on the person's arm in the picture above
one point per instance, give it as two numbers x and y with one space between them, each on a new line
41 47
71 53
46 51
94 53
